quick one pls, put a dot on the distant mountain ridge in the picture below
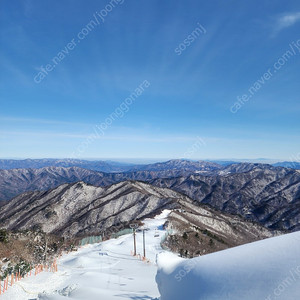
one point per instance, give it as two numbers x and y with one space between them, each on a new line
179 164
114 166
288 164
260 192
17 181
266 194
108 166
97 165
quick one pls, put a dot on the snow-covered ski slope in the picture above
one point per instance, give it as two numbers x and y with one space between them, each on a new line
104 271
264 270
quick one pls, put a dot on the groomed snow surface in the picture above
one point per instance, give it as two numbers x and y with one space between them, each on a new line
264 270
104 271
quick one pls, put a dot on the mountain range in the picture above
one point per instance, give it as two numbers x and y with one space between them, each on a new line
78 210
262 193
97 165
114 166
259 192
16 181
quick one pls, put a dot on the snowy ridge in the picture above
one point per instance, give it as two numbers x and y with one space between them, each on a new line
265 194
79 210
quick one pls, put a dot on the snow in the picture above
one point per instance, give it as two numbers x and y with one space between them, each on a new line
264 270
105 271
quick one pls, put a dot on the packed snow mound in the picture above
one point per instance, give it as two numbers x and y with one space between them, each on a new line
265 270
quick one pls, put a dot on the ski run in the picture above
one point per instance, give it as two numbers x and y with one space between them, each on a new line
264 270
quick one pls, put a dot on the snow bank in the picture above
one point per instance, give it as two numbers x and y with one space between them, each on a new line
264 270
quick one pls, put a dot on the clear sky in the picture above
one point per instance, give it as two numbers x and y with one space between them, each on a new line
152 78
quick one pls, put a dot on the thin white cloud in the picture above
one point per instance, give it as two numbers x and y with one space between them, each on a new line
41 121
126 137
286 20
43 134
132 138
8 66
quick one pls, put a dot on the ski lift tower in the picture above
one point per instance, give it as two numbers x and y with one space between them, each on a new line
144 241
134 226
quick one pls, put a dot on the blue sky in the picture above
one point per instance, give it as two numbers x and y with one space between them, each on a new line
197 56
